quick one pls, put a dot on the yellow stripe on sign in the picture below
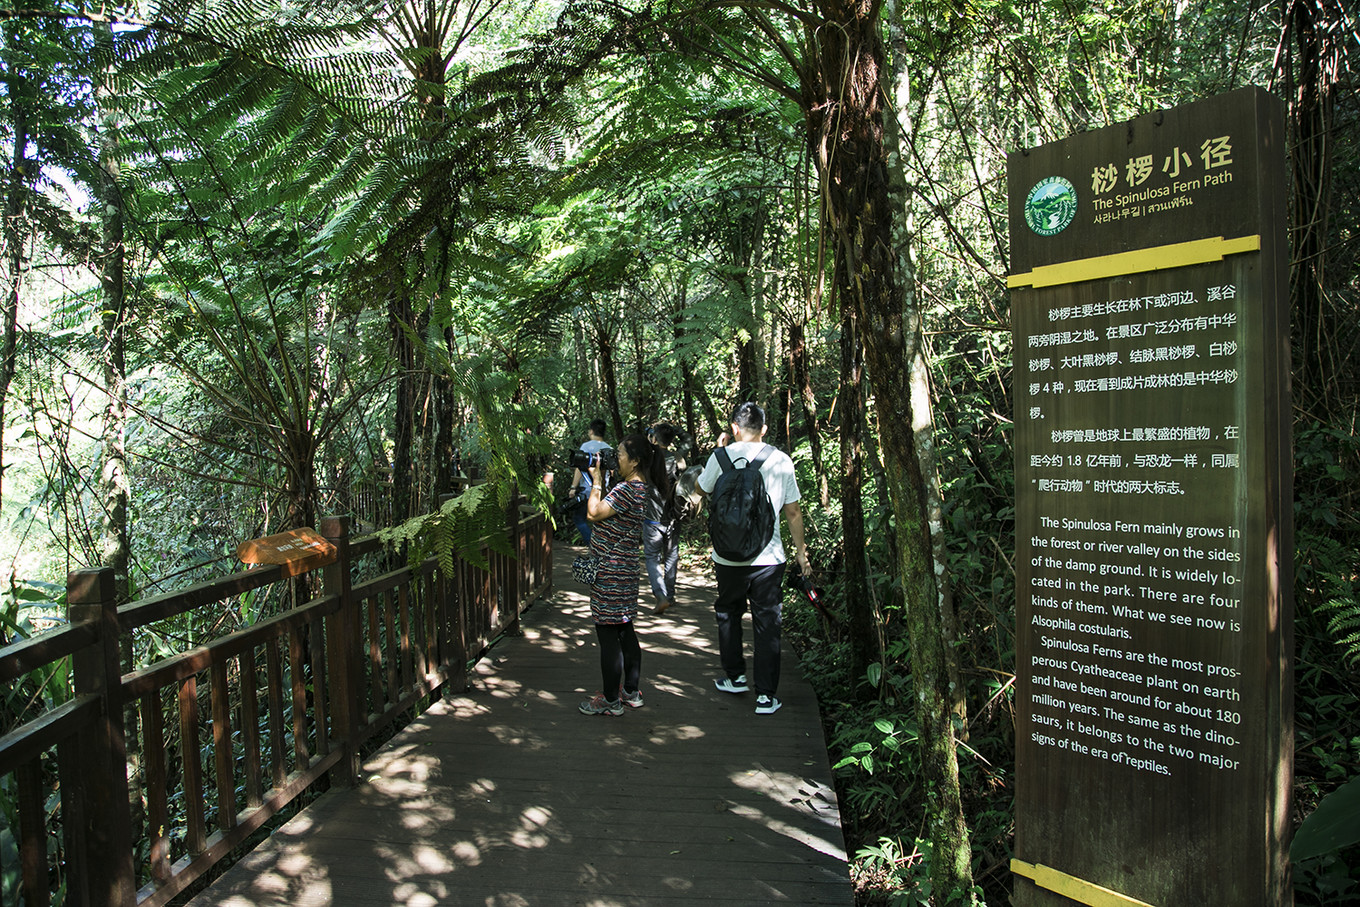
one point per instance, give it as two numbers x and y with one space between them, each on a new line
1138 261
1079 890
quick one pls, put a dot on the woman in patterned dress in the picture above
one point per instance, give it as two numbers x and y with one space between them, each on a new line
617 540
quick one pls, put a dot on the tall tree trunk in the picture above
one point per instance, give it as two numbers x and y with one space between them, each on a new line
845 118
866 640
605 344
17 188
686 372
1315 35
446 413
897 131
409 379
114 484
801 368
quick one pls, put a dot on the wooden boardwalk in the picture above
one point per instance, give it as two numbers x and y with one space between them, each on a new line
507 796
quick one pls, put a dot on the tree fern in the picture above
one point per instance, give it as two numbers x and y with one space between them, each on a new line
1343 618
462 527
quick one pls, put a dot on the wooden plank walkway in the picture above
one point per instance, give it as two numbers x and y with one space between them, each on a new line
507 796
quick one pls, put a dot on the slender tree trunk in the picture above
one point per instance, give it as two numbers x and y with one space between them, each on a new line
866 640
646 403
605 344
897 131
404 415
845 114
1314 30
686 372
114 484
17 188
801 368
446 413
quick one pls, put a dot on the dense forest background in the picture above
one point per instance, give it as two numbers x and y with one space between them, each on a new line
265 261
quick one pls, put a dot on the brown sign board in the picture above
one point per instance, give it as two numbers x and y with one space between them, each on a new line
1154 542
296 551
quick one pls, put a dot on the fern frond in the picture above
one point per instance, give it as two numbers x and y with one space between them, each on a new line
463 527
1343 622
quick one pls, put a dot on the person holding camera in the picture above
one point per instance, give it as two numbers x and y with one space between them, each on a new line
660 529
752 582
581 481
617 536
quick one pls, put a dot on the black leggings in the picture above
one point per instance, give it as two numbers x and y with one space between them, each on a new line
620 658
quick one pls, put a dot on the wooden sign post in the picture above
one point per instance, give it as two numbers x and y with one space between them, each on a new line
1153 511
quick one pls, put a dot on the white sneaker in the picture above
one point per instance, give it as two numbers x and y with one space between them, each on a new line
728 685
767 705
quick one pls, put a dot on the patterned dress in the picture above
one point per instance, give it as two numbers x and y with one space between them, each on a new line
617 541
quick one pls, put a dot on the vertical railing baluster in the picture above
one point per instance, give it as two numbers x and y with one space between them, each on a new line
344 654
195 838
399 646
320 686
75 823
33 834
97 670
427 623
277 740
373 606
157 786
250 728
223 757
297 673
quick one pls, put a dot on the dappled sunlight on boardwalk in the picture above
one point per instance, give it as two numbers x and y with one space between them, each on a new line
506 795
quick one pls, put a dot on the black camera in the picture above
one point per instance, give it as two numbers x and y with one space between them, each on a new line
607 458
795 579
568 506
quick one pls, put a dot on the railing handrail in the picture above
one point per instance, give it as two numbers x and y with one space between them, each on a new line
339 667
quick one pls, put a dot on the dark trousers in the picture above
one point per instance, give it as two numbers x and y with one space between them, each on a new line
620 658
756 588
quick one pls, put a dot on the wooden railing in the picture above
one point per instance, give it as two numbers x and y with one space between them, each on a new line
237 729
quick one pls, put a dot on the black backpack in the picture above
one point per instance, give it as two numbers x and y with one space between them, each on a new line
677 506
740 515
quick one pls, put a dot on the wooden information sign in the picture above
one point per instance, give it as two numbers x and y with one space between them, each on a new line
1153 518
296 551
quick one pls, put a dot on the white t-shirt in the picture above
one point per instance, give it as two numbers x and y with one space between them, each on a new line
781 485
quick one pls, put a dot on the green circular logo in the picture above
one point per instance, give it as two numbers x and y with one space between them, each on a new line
1051 206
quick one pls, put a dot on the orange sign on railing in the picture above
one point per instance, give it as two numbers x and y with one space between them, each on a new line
295 551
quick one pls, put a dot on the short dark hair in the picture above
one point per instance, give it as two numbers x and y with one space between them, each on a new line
748 416
597 427
664 433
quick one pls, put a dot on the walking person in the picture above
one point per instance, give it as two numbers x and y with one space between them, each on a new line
616 540
581 482
660 529
753 582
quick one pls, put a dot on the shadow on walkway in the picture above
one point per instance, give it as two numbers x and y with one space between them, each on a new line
506 795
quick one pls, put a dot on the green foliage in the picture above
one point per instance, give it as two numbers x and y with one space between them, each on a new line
461 527
1343 618
1333 825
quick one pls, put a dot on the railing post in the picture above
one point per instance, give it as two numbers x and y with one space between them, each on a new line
90 598
342 654
513 583
453 621
544 538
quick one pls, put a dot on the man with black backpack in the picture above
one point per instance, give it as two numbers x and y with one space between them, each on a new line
749 484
